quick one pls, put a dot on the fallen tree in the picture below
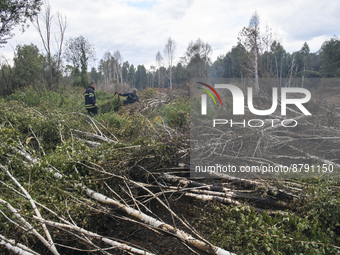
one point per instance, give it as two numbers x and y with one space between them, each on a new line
134 195
137 214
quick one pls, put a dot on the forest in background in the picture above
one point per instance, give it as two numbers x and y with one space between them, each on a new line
256 55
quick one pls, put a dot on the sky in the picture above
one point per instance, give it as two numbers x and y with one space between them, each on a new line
141 28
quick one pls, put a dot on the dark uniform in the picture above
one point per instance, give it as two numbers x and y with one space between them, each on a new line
131 97
90 101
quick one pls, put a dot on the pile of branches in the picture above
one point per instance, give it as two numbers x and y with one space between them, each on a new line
101 204
91 189
98 193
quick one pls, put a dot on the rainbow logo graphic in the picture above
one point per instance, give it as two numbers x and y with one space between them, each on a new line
209 93
204 97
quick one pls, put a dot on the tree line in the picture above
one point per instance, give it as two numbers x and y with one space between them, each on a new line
256 55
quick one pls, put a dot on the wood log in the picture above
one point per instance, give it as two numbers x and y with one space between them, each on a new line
157 224
114 244
150 221
16 248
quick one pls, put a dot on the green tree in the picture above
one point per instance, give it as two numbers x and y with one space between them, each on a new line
161 74
330 57
151 75
6 79
197 58
16 12
131 75
279 55
181 75
231 65
125 71
28 65
303 62
315 62
79 52
236 58
95 75
217 69
141 77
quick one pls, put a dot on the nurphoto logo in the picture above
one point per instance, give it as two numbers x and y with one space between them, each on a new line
288 96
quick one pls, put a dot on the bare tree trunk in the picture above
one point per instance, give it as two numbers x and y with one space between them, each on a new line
303 76
290 74
118 60
35 209
16 247
115 244
169 51
148 220
256 70
28 227
159 59
183 236
62 23
46 37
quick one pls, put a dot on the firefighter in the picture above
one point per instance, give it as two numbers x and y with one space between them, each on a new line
90 100
131 97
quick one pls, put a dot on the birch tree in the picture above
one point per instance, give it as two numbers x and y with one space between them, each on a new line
251 40
304 54
43 23
45 36
169 51
118 60
159 60
279 55
105 67
62 24
111 65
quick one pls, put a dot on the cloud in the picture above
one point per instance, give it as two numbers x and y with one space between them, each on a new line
140 28
305 20
175 9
